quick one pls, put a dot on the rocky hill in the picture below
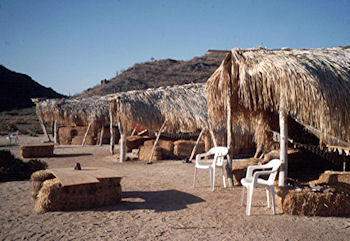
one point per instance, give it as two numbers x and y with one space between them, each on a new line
153 74
16 89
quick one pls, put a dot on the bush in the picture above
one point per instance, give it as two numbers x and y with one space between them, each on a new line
7 127
14 169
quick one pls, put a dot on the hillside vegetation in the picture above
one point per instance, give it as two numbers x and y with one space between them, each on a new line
158 73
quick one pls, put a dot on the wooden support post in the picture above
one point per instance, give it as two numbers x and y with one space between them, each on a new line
155 143
55 136
228 167
213 137
195 146
101 135
282 178
86 133
133 132
44 129
122 143
111 129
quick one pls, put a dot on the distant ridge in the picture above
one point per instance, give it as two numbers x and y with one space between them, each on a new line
158 73
16 89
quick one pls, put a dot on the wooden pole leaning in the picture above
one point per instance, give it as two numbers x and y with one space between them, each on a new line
101 136
86 133
195 146
44 128
155 143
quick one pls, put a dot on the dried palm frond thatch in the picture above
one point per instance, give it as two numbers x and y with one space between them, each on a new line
80 112
183 107
315 87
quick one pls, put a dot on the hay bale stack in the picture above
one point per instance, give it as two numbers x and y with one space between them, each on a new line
183 148
30 151
55 197
333 201
167 147
333 177
133 142
74 135
65 135
146 150
37 179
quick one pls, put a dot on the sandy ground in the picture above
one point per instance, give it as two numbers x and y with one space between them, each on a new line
159 203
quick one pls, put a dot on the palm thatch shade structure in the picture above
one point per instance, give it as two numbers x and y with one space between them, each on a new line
92 111
80 112
173 109
183 108
310 85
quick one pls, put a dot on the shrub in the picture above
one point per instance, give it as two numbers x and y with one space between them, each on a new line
14 169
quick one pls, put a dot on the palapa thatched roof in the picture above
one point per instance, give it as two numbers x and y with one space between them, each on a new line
184 107
315 84
82 111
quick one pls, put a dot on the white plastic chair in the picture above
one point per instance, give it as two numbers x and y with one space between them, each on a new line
12 136
219 154
253 180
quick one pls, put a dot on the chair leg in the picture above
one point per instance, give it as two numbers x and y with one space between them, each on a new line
223 176
195 175
267 197
273 200
242 199
212 178
249 199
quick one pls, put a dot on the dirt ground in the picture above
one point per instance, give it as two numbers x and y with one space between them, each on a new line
159 203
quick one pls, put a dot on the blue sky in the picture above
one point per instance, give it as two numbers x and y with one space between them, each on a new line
71 45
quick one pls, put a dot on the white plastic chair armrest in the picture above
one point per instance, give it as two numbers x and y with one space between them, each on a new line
260 173
250 170
200 156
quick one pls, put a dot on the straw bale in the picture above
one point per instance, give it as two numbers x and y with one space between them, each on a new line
55 197
145 153
334 177
183 148
334 202
315 84
75 134
133 142
167 147
28 151
37 179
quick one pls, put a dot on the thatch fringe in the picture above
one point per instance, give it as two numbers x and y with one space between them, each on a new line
315 84
80 112
183 107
